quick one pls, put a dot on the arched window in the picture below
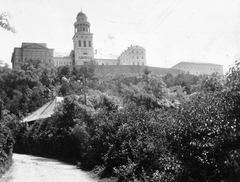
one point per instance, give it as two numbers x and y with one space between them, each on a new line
84 43
89 43
79 43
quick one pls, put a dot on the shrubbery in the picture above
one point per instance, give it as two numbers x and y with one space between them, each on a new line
140 127
205 138
6 144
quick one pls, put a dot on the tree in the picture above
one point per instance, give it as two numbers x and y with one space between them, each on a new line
64 71
4 22
146 71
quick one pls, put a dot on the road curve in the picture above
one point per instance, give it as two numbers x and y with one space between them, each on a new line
28 168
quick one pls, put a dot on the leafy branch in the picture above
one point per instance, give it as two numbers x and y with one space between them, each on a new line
4 22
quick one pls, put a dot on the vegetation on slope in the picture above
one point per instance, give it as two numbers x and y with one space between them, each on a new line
133 127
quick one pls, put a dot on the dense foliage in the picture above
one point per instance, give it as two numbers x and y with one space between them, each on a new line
134 127
6 142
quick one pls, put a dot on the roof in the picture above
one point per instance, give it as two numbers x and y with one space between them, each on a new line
136 47
81 14
29 43
105 56
45 111
61 54
195 63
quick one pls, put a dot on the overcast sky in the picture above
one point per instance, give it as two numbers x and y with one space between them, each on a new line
170 30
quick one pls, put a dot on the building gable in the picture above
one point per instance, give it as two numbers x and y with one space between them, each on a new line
34 46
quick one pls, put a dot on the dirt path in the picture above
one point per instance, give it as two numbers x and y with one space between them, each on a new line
27 168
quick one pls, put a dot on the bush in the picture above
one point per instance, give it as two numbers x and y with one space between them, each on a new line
6 145
206 137
128 142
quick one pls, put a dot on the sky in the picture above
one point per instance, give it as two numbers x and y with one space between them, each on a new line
171 31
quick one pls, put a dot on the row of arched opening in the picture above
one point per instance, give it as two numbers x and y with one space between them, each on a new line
84 43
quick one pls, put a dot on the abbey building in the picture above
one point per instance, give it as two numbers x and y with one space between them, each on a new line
83 51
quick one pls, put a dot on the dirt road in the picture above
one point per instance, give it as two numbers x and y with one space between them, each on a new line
27 168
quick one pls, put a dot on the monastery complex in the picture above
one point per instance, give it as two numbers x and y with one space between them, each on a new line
83 52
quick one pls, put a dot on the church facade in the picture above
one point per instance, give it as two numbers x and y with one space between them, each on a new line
32 51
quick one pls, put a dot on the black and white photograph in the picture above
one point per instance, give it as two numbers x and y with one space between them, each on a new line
119 91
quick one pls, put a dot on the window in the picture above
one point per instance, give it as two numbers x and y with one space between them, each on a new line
137 57
142 57
89 43
79 43
84 43
143 63
133 63
133 57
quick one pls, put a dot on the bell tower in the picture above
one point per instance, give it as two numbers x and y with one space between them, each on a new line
82 40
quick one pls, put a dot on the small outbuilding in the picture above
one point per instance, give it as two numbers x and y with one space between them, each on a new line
45 111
